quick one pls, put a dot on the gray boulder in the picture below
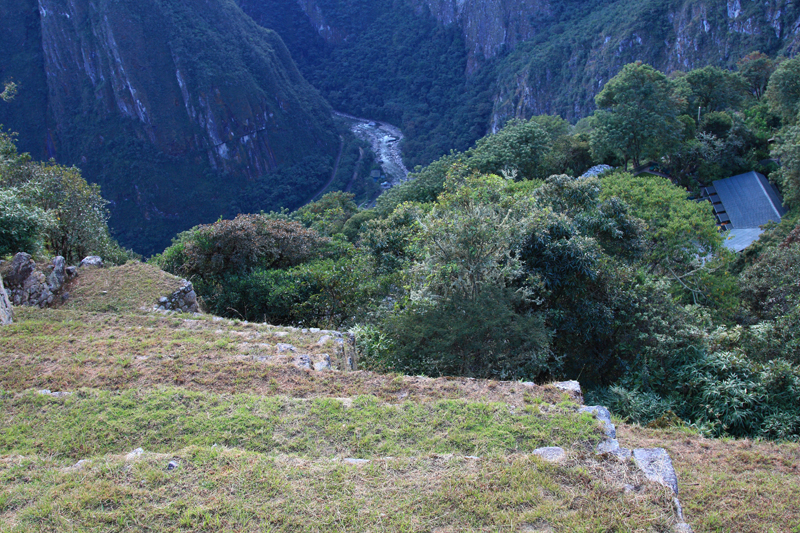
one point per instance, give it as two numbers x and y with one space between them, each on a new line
22 266
92 261
6 314
569 386
657 466
58 276
551 454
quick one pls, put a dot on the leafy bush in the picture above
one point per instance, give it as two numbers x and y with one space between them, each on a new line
722 394
489 336
238 246
326 293
52 205
329 214
22 226
770 286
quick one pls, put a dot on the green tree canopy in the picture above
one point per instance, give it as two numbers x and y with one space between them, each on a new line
681 234
783 91
637 116
520 147
714 89
756 68
71 214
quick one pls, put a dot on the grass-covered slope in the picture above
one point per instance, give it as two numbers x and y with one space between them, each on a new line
741 486
235 437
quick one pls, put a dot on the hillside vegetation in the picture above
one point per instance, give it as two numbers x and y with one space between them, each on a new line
447 73
179 110
497 263
234 436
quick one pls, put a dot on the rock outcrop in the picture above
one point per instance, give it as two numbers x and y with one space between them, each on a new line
92 261
6 313
183 300
34 287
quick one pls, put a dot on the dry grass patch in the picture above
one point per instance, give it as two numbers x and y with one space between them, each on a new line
127 288
737 486
215 489
68 350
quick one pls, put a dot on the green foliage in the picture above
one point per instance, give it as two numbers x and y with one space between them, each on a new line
327 293
769 286
788 176
713 89
356 224
393 242
490 335
423 186
722 394
469 242
716 123
22 226
783 91
756 68
52 205
679 232
211 251
9 91
638 114
519 147
329 214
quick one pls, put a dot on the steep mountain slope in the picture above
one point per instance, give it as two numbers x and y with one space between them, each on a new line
519 57
173 106
562 68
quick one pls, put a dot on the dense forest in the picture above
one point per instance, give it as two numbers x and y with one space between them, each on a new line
499 262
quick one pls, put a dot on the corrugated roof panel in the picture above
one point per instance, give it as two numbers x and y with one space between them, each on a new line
739 239
750 200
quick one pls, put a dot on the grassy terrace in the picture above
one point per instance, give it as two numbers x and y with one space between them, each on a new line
71 349
727 485
90 423
260 445
218 489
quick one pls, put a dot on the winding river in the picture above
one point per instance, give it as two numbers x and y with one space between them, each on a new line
385 140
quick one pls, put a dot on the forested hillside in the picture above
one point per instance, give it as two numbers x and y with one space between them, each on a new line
448 72
499 262
174 108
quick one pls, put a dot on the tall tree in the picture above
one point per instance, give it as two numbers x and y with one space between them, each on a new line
783 91
637 115
520 146
756 69
714 89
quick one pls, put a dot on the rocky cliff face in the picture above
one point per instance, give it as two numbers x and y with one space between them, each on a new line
138 62
157 99
554 56
495 26
563 73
